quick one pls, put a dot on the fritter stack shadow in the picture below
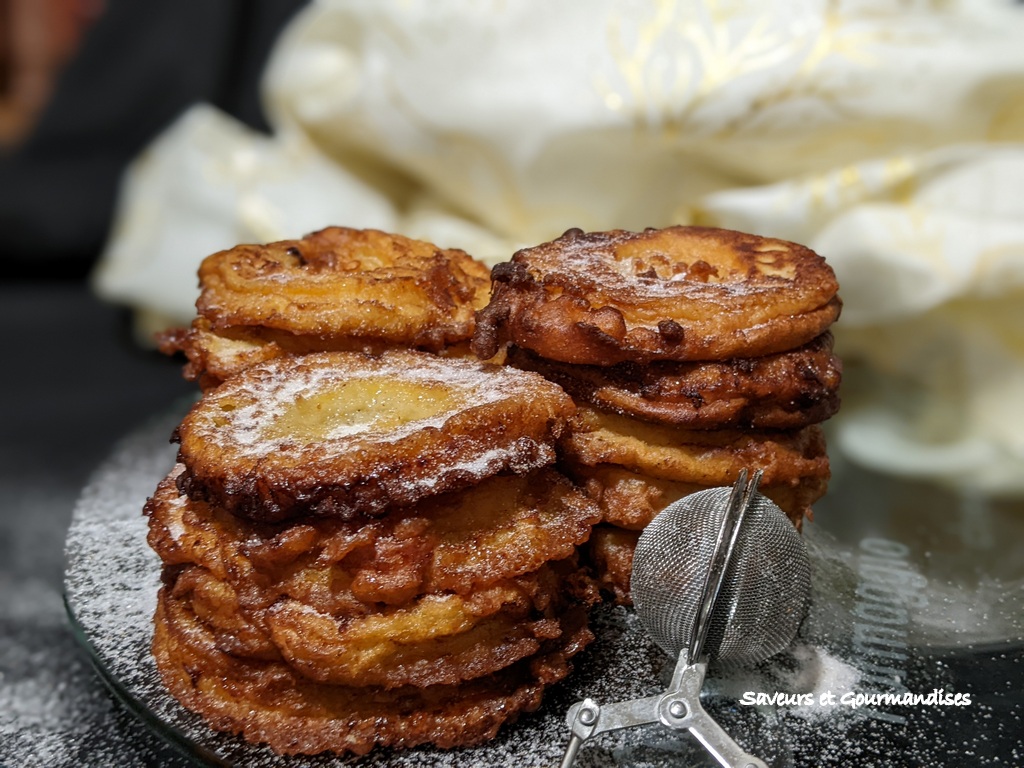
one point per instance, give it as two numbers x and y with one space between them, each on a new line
370 550
691 353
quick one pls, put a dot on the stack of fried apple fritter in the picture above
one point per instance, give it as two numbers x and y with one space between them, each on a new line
363 549
691 352
372 538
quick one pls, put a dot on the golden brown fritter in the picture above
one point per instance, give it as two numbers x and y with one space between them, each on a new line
346 434
631 500
336 289
434 639
268 702
786 390
502 528
702 457
680 293
214 356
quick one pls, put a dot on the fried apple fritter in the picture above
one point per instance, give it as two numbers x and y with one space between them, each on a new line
434 639
702 457
631 500
786 390
214 356
336 289
268 702
502 528
345 434
680 293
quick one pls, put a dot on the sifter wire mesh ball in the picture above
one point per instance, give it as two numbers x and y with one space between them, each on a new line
766 588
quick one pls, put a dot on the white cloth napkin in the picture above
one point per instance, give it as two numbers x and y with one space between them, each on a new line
888 136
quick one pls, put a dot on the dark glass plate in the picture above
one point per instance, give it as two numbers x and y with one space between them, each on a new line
915 590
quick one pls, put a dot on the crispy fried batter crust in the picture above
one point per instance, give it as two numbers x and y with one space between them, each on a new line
610 552
786 390
267 702
336 289
500 529
346 434
701 457
213 356
346 282
631 500
436 639
681 293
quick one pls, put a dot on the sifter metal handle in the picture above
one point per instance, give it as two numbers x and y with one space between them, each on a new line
588 718
680 708
715 740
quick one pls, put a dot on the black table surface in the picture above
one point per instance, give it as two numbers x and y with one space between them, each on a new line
74 383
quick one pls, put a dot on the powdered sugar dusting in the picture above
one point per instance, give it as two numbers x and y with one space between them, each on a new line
267 392
175 525
491 461
649 268
817 671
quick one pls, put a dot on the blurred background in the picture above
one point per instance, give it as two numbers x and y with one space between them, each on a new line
85 85
136 138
